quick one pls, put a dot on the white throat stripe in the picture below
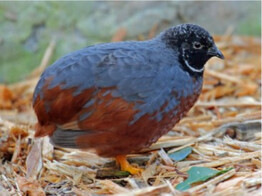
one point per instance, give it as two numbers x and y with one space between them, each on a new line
192 68
189 66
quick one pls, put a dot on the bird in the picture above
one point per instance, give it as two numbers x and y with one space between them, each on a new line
118 98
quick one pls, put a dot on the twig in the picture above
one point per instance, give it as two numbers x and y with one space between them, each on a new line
168 144
196 118
228 34
18 189
7 181
156 190
152 31
165 157
119 35
17 149
235 104
239 118
113 187
223 76
223 161
45 60
215 131
247 146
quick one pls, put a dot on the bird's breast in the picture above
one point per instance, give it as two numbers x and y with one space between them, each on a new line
174 108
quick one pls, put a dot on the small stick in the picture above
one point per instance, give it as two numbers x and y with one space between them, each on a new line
223 76
119 35
45 60
224 122
235 104
242 118
113 187
152 190
33 77
152 31
18 189
165 157
168 144
228 34
223 161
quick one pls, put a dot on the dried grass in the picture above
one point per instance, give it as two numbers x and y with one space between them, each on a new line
224 129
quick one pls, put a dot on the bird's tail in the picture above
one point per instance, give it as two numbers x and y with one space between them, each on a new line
66 138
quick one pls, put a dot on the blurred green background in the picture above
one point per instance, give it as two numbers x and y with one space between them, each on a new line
26 28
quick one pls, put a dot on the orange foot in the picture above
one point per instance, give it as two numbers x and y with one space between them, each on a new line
125 166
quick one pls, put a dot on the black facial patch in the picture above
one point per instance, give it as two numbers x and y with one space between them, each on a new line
181 38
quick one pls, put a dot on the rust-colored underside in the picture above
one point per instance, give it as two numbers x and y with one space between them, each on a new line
108 127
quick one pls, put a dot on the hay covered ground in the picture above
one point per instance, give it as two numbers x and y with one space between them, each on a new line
222 132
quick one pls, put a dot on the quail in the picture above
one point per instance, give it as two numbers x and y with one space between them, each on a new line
117 98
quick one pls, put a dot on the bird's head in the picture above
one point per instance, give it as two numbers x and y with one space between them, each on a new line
195 46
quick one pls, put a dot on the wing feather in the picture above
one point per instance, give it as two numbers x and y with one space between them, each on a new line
101 88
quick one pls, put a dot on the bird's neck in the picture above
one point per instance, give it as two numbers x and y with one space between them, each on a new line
185 65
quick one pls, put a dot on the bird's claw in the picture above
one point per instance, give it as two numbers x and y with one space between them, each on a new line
125 166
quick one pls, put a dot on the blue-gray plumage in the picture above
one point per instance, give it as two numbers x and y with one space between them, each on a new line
123 96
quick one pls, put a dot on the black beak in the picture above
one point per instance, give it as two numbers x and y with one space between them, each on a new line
214 51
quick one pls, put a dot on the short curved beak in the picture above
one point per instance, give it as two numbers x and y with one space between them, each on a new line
214 51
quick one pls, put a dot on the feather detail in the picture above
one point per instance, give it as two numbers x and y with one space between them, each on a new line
66 138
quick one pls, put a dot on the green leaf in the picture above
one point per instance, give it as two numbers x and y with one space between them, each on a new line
198 174
181 154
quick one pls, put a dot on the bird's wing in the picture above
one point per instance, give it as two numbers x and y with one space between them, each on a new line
100 90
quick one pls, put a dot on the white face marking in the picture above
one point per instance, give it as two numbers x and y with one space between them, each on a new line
189 66
194 69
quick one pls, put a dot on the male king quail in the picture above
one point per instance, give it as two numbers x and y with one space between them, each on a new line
118 98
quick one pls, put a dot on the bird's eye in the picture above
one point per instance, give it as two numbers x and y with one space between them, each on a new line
197 45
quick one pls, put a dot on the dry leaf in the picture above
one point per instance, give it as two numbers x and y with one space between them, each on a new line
34 160
18 132
6 97
29 186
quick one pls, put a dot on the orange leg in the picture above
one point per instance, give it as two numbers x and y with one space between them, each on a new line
125 166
